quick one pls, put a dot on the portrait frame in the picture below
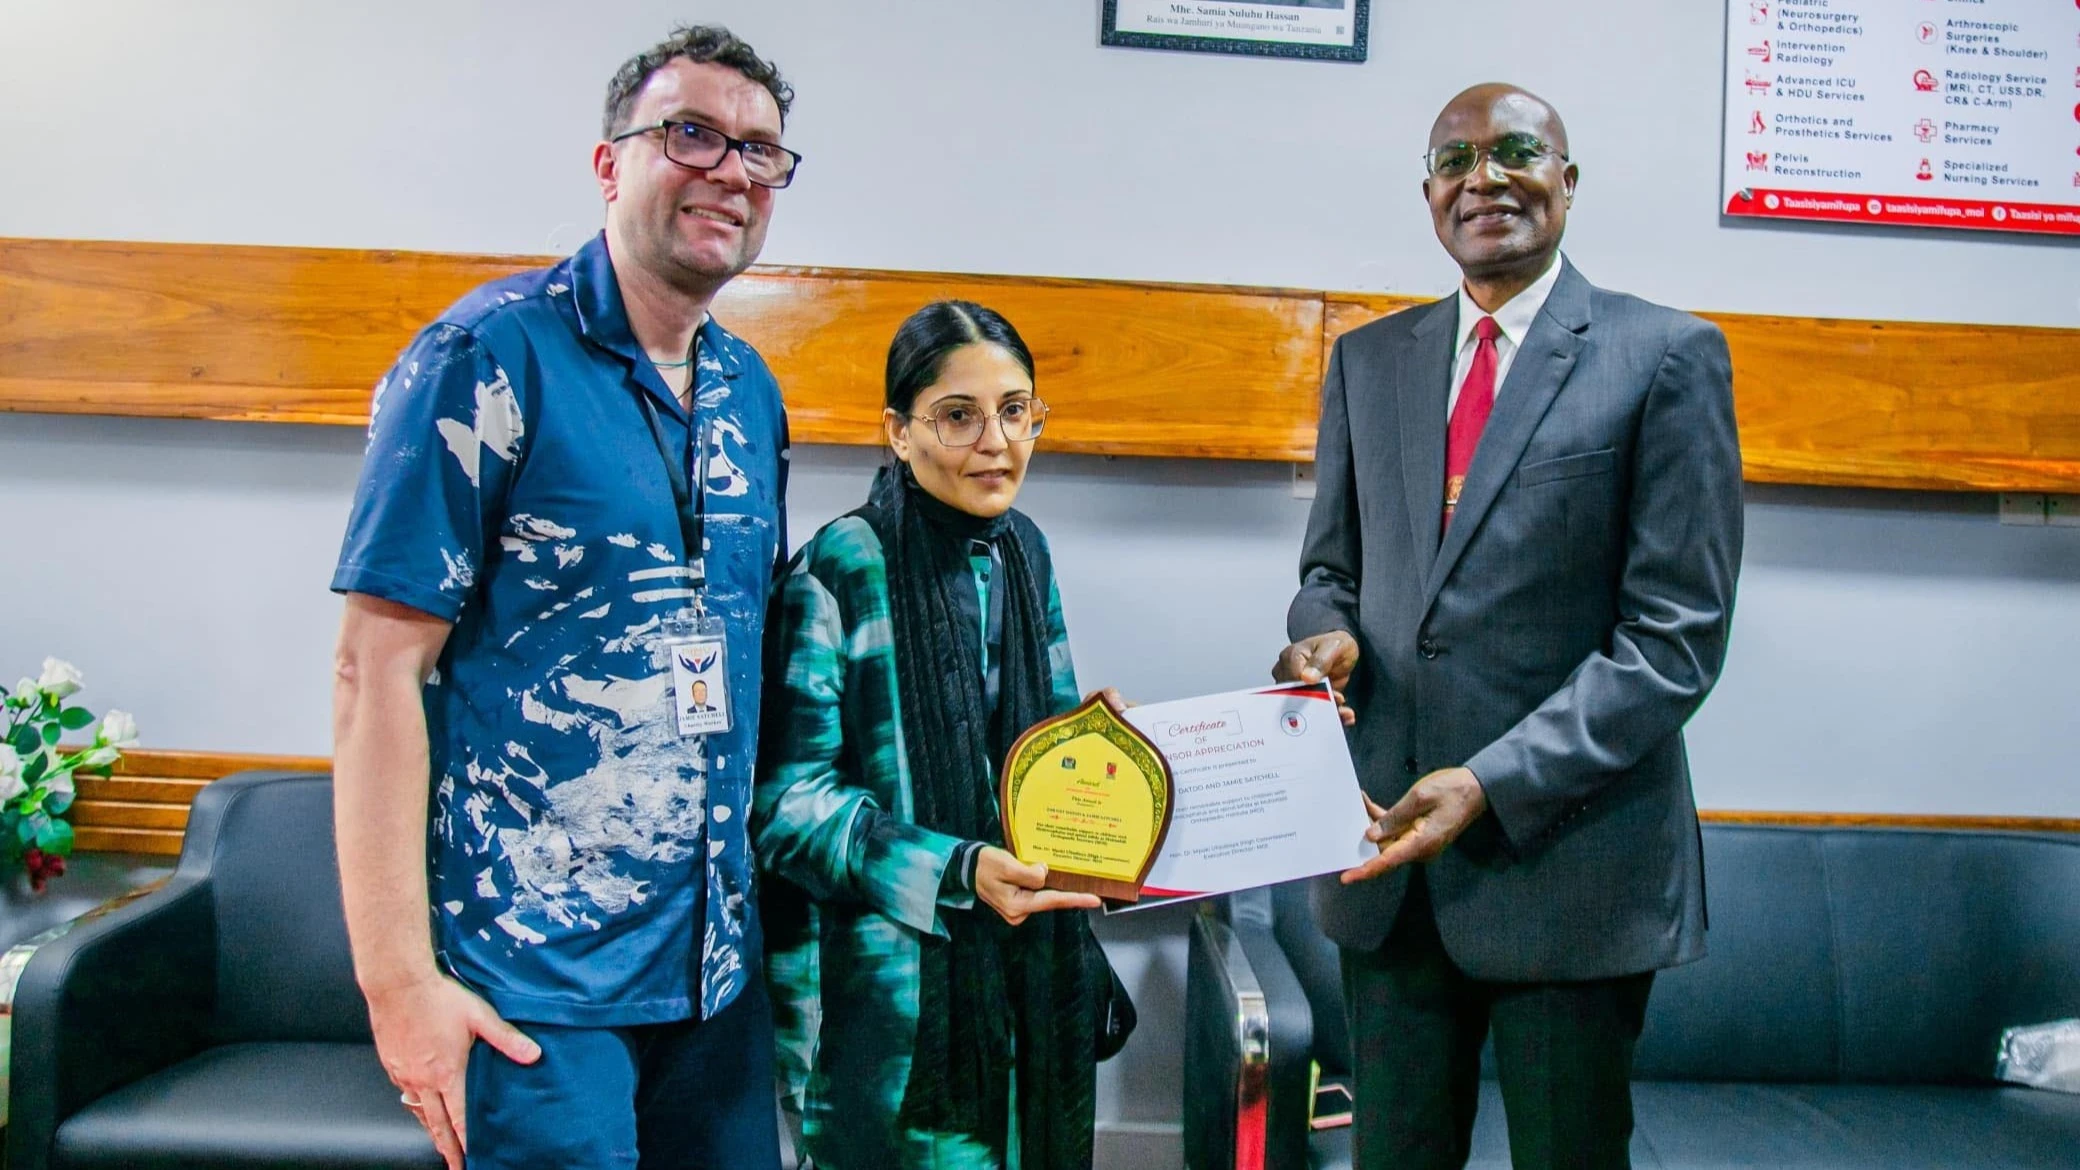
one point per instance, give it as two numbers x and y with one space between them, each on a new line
1315 30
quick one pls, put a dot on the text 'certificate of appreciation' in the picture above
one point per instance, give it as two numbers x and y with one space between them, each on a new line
1266 791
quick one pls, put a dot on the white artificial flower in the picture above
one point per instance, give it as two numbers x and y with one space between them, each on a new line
11 784
118 729
98 757
26 691
60 679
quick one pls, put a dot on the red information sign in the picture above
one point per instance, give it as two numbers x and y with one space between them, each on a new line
1920 113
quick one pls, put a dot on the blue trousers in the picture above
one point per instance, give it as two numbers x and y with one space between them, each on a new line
696 1094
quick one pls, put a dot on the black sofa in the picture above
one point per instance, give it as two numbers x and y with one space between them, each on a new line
1846 1017
91 881
214 1022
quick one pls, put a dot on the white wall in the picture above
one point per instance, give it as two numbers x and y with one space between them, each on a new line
1892 651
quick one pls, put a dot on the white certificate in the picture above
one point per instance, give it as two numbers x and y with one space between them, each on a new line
1265 791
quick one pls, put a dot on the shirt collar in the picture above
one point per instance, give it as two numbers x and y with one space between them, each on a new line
1516 315
596 295
714 339
603 317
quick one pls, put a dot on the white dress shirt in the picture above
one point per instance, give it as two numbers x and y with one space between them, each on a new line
1514 318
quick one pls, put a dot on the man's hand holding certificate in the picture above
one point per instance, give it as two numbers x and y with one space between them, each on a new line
1265 791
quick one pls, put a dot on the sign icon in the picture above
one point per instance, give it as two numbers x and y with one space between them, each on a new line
1925 32
1758 86
1772 202
1925 130
2000 215
1756 125
1924 81
1760 52
1758 160
1874 207
1292 724
1758 12
1924 172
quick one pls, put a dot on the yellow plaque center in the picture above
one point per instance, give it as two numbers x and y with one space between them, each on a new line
1086 806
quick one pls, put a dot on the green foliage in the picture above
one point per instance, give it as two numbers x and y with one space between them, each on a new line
36 774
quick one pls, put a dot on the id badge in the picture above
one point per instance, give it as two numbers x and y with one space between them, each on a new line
700 674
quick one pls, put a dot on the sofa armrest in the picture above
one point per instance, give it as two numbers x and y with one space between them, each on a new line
107 1001
1249 1039
96 885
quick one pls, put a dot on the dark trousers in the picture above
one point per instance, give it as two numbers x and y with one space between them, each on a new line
697 1095
1563 1052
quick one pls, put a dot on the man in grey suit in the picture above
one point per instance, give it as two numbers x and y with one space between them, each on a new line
1519 571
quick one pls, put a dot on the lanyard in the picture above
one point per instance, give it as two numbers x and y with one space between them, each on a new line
689 501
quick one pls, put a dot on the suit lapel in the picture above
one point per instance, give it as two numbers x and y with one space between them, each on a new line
1535 377
1423 390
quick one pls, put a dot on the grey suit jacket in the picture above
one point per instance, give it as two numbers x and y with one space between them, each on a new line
1557 639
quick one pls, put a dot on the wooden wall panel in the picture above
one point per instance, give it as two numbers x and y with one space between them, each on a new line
1129 369
143 808
172 330
1889 404
301 334
1901 404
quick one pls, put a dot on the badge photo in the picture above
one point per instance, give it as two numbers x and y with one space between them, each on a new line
700 685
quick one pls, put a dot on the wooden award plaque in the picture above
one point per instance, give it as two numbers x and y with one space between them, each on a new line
1090 796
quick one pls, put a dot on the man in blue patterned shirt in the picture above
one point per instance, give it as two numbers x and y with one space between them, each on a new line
572 504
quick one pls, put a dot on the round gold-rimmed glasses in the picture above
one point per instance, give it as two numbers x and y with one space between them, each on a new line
962 424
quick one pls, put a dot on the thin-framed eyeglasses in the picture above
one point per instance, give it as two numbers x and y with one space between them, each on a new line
702 148
961 425
1511 152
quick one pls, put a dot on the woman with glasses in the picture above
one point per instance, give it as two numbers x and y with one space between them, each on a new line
933 1009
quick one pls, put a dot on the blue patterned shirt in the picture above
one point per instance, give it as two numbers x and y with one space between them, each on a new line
588 865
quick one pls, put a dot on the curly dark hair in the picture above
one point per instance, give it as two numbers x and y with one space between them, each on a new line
697 43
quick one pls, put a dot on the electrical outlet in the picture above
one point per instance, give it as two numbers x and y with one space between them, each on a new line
2062 511
1303 481
2023 508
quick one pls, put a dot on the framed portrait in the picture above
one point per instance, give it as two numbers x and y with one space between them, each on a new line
1322 30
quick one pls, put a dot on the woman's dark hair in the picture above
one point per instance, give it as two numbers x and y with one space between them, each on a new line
700 43
922 343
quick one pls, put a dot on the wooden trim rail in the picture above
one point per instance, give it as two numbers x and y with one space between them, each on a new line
143 808
1830 820
1199 371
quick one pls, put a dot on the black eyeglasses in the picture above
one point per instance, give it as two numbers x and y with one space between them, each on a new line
1511 152
962 425
702 148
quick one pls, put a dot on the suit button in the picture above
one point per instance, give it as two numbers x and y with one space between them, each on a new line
1427 648
1409 765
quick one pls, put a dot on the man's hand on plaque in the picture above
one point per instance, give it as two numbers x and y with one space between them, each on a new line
1015 890
1332 656
1431 816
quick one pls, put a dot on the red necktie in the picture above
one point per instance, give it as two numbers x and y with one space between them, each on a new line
1470 415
